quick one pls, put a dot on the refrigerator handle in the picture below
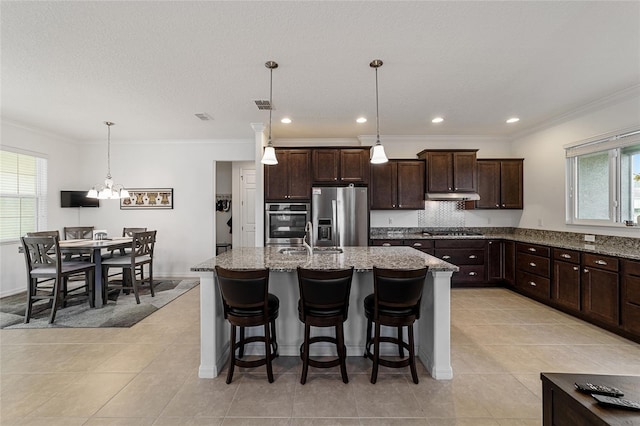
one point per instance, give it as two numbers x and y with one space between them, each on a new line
336 229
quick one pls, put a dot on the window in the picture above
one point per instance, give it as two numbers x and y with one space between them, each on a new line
23 194
603 180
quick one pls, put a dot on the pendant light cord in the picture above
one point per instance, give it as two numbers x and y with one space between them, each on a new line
108 123
377 111
270 102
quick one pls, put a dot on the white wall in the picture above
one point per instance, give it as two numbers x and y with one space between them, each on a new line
186 234
544 166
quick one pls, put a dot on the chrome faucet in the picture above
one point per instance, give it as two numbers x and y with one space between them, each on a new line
308 230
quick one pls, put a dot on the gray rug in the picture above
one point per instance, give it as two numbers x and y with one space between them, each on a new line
120 311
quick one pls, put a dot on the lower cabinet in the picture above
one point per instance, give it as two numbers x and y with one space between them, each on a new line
630 295
469 255
533 272
600 288
565 286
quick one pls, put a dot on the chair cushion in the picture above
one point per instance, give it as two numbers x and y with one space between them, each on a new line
272 310
67 268
321 313
386 310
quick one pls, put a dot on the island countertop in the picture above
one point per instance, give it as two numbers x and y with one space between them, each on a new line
361 258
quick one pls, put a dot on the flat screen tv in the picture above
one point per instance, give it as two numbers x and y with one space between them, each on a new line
77 199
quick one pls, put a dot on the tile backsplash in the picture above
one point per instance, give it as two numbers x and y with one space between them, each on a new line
449 214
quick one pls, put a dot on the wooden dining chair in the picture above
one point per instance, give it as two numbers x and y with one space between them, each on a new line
140 254
47 275
78 233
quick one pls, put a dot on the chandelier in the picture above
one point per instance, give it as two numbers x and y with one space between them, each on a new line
108 190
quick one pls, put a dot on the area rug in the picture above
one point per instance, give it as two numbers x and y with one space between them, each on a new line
120 311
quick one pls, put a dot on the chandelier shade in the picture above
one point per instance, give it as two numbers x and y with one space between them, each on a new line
269 155
378 156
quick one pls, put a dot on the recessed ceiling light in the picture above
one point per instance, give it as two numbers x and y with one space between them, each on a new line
286 120
204 116
361 120
513 120
437 120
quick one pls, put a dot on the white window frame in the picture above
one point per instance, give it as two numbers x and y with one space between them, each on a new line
612 143
41 195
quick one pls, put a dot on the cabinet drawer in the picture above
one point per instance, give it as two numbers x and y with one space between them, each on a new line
469 273
419 244
533 284
631 290
565 255
460 256
607 263
533 264
386 243
630 267
460 243
533 249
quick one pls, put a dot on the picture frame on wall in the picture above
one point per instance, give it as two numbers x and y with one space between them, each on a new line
148 198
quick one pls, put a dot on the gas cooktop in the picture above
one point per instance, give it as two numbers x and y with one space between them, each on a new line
451 234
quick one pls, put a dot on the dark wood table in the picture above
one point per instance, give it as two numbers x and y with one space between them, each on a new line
563 405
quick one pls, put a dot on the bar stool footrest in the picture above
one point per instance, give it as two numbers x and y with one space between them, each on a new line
388 363
321 364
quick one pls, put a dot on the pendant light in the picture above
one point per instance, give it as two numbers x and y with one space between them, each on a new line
108 190
269 156
378 156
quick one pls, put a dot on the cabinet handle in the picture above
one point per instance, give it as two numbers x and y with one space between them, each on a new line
417 244
473 256
585 270
335 178
532 249
393 205
575 268
449 188
533 265
446 257
503 205
532 284
600 262
498 205
386 244
400 205
473 274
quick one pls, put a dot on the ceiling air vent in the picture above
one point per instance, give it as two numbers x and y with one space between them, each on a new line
263 105
204 116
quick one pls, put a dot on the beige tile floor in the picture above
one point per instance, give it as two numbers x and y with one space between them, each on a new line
147 374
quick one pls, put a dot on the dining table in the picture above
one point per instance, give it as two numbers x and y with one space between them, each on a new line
96 247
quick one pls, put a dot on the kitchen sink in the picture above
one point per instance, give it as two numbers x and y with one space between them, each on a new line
316 250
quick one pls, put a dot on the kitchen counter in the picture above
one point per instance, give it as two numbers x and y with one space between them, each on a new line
432 330
626 247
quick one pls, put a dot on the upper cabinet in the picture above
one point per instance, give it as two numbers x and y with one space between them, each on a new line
450 170
397 184
500 184
340 165
290 179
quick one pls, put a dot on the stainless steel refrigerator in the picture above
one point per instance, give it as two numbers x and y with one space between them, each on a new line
340 216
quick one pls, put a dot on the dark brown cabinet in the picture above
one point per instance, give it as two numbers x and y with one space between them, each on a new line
397 184
450 170
533 273
630 295
565 287
600 288
469 255
290 179
340 165
500 184
495 261
509 263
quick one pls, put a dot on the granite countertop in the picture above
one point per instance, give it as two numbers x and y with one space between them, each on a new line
624 247
361 258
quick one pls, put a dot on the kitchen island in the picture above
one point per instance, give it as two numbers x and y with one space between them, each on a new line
432 330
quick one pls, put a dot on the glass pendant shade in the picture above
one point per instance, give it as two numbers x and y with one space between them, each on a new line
378 156
269 156
108 190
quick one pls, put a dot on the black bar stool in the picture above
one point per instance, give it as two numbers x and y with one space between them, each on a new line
395 302
247 303
324 302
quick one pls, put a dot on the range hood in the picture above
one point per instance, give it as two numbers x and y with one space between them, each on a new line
451 196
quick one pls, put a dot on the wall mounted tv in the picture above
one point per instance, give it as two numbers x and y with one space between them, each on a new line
77 199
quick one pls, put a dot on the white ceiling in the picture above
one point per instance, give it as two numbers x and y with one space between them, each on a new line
150 66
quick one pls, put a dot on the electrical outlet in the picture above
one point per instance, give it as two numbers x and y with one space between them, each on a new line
540 222
590 238
390 221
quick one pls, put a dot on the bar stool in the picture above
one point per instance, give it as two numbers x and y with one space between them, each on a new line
324 302
395 302
247 302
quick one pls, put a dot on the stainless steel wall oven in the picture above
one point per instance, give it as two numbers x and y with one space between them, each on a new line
285 222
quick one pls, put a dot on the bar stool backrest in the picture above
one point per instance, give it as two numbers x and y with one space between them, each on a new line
398 288
325 289
243 289
78 232
41 252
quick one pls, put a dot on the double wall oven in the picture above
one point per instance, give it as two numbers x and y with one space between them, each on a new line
285 223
